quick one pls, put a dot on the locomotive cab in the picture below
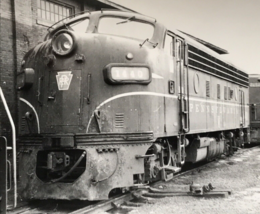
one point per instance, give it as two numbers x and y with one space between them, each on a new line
82 94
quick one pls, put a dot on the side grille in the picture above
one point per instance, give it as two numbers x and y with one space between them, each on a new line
119 120
23 124
204 62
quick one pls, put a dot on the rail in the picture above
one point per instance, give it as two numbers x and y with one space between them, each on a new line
13 144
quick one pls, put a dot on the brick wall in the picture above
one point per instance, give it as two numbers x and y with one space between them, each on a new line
20 30
7 62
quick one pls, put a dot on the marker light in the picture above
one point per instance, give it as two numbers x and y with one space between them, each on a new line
63 42
118 74
25 78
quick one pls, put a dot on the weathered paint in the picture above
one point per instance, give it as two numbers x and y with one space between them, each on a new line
104 172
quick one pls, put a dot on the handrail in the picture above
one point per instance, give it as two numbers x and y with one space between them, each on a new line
3 176
13 143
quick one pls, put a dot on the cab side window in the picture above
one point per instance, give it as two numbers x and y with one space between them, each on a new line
169 44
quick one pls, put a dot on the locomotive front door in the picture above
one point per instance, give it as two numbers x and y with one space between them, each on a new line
242 107
64 98
183 93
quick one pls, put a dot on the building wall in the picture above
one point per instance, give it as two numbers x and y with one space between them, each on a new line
7 59
20 30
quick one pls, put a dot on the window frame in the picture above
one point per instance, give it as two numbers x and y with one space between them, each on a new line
48 22
123 18
172 44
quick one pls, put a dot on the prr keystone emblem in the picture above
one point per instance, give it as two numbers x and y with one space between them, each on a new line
63 80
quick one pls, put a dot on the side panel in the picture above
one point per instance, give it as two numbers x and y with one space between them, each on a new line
215 104
64 93
254 99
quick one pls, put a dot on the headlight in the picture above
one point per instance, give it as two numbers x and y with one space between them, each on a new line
63 42
124 73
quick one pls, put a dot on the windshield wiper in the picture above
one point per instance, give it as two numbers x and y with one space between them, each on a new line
127 20
147 40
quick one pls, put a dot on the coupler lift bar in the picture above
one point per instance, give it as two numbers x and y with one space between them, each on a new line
206 191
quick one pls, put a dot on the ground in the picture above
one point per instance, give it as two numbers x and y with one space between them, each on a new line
239 173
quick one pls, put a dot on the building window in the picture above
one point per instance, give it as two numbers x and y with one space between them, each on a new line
52 11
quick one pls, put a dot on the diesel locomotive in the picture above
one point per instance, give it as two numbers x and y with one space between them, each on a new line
113 100
254 100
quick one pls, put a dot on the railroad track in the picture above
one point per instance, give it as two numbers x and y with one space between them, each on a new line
71 207
80 207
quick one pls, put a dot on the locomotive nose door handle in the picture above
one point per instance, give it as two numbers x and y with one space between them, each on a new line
51 98
52 95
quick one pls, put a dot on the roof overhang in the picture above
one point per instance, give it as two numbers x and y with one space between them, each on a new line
116 6
207 44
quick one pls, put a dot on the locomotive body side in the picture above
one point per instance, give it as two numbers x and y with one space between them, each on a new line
100 111
218 94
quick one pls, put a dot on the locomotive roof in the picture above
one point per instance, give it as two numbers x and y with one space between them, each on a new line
254 75
192 40
207 48
209 45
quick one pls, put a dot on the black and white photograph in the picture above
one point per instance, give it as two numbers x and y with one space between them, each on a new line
129 106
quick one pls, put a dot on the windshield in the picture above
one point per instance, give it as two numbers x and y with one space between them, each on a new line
80 26
127 27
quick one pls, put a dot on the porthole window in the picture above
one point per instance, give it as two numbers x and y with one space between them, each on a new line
196 82
231 94
235 94
225 92
207 89
218 91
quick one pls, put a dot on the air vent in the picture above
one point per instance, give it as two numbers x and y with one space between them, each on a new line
23 124
119 120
